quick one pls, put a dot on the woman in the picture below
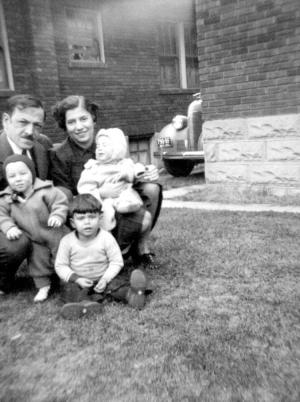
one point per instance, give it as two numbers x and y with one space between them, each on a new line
78 116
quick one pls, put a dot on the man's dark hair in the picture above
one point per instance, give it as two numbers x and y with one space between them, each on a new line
84 203
22 101
60 109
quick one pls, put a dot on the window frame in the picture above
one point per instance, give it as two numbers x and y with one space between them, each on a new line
96 14
180 56
7 60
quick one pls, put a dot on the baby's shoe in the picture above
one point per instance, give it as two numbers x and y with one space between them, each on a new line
73 311
42 294
136 293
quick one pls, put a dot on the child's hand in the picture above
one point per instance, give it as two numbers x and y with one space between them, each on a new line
13 233
101 285
54 222
84 282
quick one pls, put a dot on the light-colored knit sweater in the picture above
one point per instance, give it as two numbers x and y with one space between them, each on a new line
98 258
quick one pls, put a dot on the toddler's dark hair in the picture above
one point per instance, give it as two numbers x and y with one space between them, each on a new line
84 203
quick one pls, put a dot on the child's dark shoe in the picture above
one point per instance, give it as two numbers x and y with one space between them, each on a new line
73 311
136 293
145 260
148 262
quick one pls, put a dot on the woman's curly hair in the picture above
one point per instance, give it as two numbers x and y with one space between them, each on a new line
60 109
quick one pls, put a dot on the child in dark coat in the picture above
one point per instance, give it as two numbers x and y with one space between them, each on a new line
38 209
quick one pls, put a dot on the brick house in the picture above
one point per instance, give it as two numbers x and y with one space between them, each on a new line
249 67
136 58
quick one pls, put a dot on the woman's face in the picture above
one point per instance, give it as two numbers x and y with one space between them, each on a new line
80 126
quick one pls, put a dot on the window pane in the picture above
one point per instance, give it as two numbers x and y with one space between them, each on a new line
169 72
192 73
83 35
190 38
167 39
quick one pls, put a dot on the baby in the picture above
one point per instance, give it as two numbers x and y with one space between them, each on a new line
112 166
38 209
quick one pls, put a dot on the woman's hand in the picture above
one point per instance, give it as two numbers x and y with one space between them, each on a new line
110 190
13 233
84 282
150 174
54 222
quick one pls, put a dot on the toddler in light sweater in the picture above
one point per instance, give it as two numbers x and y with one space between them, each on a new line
89 262
39 210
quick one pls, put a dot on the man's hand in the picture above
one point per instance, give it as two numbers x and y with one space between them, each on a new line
54 222
13 233
150 174
101 285
84 282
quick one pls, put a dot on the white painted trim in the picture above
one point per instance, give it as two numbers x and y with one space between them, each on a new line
181 52
6 49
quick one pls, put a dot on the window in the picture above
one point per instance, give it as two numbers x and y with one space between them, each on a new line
139 148
178 55
6 78
85 38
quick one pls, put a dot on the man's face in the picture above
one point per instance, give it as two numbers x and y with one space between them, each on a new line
19 177
80 126
23 126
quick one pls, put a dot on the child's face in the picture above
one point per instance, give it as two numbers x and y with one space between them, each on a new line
86 224
19 177
104 149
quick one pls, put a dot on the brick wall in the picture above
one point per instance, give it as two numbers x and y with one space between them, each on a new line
19 45
31 45
249 77
248 57
127 88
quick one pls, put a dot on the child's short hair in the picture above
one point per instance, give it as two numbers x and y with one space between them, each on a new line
84 203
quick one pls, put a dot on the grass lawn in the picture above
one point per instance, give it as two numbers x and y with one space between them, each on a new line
222 325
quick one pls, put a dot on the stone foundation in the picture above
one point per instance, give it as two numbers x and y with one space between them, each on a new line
262 152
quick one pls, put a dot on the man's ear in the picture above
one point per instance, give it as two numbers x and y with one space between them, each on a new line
5 119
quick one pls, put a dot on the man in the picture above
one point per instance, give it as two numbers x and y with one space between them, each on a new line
22 122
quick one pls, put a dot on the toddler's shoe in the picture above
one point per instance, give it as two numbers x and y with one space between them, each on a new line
42 294
136 293
73 311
